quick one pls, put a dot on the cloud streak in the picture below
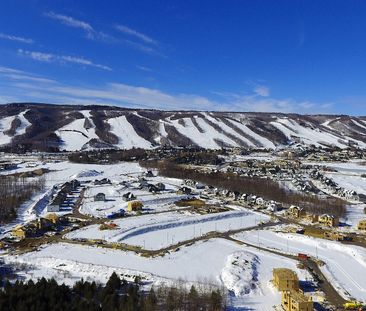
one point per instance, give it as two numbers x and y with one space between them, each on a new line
15 38
53 58
136 34
146 45
90 32
71 22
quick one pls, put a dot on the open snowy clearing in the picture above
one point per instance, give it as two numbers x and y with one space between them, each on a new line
356 167
162 230
350 182
207 262
344 265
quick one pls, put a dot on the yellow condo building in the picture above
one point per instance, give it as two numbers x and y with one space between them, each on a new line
285 279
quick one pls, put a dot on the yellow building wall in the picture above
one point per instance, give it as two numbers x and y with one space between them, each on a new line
19 233
296 301
362 225
134 206
285 279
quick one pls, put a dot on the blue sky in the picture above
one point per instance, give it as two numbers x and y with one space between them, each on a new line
251 55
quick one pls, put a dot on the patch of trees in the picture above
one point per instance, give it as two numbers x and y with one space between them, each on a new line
263 187
14 191
195 156
116 295
108 156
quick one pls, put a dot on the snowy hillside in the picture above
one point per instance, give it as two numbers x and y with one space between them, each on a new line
84 127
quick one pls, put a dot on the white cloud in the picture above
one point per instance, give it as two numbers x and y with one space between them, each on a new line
91 33
120 94
70 21
134 33
143 68
8 70
47 57
89 30
261 90
15 38
43 57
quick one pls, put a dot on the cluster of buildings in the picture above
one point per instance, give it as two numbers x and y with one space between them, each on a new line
324 220
333 187
36 227
63 198
207 192
293 298
275 169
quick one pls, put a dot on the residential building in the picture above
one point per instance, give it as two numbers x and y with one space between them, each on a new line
129 196
52 217
296 211
99 197
296 301
328 220
362 225
134 206
19 232
285 279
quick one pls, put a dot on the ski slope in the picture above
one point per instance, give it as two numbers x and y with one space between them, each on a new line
205 139
74 135
5 124
290 128
128 138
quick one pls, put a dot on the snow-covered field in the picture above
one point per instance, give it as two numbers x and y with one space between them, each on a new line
162 230
207 262
345 265
352 167
350 181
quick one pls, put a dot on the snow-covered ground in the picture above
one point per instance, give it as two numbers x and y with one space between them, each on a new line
264 142
205 139
345 265
163 201
356 167
162 230
354 213
5 124
206 262
128 138
291 128
350 181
